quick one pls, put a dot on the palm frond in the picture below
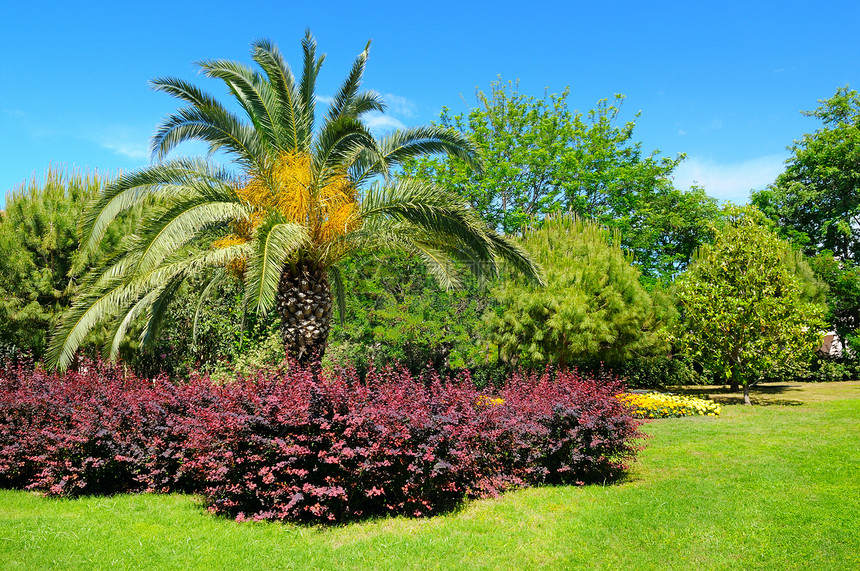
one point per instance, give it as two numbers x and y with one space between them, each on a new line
364 102
158 296
517 257
431 208
429 139
79 320
158 308
253 93
112 293
161 181
183 90
276 239
339 141
411 142
216 127
345 96
339 292
439 265
281 78
214 282
119 331
167 231
307 86
444 256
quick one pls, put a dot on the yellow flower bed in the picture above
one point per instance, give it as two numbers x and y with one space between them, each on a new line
659 405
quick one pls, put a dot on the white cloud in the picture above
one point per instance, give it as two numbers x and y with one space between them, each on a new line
379 123
399 105
122 140
132 150
682 132
134 144
729 181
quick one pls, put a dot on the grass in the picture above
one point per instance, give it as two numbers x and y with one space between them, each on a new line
764 487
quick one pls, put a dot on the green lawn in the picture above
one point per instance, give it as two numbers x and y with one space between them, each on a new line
770 487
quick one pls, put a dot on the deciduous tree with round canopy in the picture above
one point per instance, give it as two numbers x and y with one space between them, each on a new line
744 306
303 193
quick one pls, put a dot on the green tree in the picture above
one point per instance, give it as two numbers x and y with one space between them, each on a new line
843 299
38 245
397 314
540 157
816 204
306 193
816 201
667 229
746 310
592 309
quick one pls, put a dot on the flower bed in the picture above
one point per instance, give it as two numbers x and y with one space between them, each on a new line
661 405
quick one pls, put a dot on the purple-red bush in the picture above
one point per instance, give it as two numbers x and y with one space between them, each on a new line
303 447
300 449
96 431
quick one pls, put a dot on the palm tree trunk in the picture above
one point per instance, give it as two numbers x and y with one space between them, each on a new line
304 304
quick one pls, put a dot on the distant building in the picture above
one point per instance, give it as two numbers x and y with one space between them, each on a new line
831 345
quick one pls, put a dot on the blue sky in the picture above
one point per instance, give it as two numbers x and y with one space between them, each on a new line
723 82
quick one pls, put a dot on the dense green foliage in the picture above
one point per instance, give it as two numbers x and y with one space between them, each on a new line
745 308
40 265
843 301
816 201
396 312
667 229
308 193
540 157
592 309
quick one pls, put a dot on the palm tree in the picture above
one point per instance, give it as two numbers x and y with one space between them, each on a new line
303 193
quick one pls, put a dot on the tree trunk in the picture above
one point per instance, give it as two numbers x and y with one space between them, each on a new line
733 383
304 304
747 394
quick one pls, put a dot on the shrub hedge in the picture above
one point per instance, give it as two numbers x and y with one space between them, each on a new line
97 430
301 445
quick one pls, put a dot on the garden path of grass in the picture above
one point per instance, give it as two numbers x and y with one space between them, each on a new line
765 487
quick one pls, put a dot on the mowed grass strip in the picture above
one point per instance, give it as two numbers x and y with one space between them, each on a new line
765 487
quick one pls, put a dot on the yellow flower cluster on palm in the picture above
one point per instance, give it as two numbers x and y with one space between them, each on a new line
659 405
326 209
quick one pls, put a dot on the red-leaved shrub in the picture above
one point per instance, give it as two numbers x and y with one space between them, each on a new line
304 447
97 430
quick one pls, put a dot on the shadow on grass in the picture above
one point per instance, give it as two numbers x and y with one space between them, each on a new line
756 401
760 395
